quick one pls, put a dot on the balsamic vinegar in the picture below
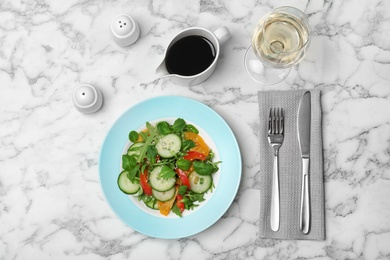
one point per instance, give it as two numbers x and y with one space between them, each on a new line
190 55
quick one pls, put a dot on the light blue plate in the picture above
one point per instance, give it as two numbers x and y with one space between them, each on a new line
213 208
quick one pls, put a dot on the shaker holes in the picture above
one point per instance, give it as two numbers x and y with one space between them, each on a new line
121 25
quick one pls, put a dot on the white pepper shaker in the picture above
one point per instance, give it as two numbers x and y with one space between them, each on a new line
87 99
124 30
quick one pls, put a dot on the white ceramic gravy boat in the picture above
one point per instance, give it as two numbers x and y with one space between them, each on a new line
217 38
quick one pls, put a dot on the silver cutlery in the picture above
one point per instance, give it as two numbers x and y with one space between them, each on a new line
304 121
275 139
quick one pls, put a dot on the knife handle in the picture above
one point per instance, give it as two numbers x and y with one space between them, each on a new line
305 198
275 195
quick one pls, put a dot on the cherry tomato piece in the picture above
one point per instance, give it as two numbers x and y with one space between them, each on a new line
144 183
194 155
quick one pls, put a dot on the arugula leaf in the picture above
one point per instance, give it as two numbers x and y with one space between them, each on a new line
187 145
131 174
191 128
215 167
179 125
190 198
164 128
184 164
211 155
166 172
182 190
176 210
203 168
128 162
198 197
151 153
133 136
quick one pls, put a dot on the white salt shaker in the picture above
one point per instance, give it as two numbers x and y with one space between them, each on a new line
87 99
124 30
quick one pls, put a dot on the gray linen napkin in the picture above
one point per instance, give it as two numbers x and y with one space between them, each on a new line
290 167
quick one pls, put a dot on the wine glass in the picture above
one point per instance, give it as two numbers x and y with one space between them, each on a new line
280 40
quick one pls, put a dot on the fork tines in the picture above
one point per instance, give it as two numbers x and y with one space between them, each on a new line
276 121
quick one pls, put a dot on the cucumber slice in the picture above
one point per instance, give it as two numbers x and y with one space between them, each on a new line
160 184
135 149
168 146
164 195
151 202
199 183
126 185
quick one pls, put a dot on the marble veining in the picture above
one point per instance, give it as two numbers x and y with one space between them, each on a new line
51 203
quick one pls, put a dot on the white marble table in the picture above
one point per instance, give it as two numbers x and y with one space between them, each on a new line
51 203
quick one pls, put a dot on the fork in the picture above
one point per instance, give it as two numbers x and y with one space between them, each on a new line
275 139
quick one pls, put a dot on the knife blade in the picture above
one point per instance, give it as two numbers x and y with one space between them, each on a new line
304 122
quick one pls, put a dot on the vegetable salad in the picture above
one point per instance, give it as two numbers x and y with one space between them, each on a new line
168 166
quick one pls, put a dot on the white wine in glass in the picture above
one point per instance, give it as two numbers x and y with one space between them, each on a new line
280 40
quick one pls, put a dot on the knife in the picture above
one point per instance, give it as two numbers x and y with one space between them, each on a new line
304 122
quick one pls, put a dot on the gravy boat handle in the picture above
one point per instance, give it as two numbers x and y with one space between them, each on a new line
222 34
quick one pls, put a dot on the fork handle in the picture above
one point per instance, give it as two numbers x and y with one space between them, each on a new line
304 222
275 195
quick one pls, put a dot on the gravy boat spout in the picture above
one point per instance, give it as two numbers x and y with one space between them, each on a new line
162 71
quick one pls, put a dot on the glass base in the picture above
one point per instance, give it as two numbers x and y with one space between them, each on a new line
261 73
